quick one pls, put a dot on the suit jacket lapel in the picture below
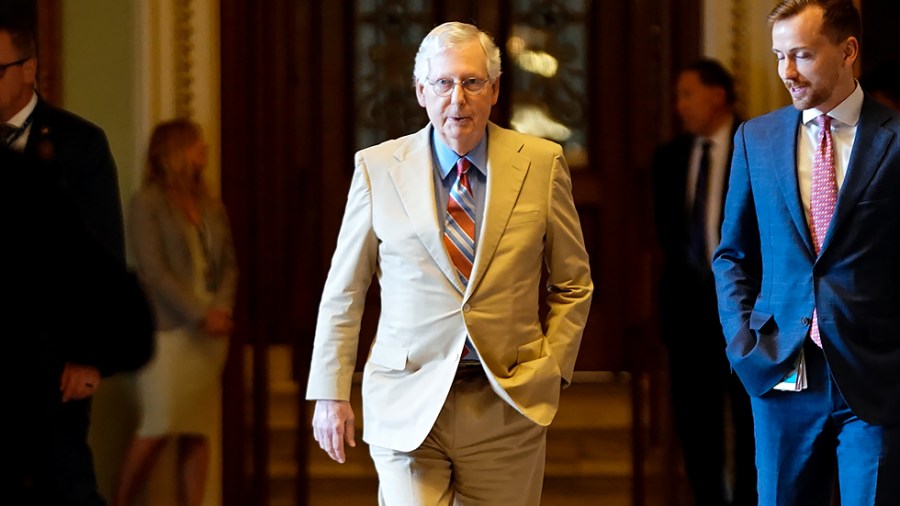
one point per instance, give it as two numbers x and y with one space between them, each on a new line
506 173
783 158
414 180
869 148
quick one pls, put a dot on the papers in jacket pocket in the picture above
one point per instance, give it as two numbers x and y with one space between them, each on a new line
795 381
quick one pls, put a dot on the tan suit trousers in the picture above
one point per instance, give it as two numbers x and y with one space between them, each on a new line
480 452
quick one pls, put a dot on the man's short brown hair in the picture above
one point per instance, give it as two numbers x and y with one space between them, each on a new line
20 33
839 21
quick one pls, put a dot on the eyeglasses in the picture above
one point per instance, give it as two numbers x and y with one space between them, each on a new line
5 66
444 87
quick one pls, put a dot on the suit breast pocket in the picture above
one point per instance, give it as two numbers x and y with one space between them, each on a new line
523 217
389 356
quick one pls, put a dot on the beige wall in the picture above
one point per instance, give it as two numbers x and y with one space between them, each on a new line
119 59
736 33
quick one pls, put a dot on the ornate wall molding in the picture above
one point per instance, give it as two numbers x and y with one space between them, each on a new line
739 65
181 70
183 57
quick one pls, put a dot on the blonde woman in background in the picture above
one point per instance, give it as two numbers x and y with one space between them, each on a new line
182 242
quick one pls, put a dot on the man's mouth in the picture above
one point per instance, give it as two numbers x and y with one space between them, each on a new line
795 88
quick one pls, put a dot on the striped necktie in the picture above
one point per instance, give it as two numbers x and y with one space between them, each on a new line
459 232
822 200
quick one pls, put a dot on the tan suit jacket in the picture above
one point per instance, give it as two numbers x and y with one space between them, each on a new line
392 229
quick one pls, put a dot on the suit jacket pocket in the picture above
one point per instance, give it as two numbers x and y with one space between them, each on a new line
388 355
520 217
530 351
761 322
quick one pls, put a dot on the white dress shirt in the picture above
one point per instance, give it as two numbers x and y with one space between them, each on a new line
845 119
19 119
719 149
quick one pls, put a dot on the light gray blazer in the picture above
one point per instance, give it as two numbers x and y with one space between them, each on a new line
156 232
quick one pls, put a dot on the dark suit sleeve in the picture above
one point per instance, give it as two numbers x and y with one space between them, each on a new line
110 321
73 299
96 187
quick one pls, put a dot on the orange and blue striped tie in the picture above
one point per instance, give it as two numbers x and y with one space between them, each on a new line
459 233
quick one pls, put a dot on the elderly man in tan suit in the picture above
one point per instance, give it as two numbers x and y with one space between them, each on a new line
458 221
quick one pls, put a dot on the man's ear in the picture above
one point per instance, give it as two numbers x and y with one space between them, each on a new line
420 93
29 69
495 90
851 50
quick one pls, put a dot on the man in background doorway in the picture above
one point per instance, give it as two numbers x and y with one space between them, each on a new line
690 177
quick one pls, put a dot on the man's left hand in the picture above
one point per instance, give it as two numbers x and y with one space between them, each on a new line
78 381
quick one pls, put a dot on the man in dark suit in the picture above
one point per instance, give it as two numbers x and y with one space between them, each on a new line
689 181
808 268
70 302
72 161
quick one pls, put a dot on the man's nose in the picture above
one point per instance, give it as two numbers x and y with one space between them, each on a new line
789 69
458 94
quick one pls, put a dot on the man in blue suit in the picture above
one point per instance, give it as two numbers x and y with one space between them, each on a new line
808 270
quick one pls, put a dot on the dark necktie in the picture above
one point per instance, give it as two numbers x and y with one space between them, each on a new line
699 210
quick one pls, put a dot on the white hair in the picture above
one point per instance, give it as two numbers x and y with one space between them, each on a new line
455 34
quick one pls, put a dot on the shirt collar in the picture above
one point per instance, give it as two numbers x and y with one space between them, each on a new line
19 118
447 158
721 137
847 112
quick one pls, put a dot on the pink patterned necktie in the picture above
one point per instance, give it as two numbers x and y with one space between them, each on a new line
822 199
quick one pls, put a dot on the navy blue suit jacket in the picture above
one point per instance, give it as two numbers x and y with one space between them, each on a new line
769 279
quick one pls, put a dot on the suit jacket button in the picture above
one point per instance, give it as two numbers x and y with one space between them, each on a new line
466 308
805 321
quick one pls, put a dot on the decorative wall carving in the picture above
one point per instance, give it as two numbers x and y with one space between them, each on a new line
739 60
183 58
